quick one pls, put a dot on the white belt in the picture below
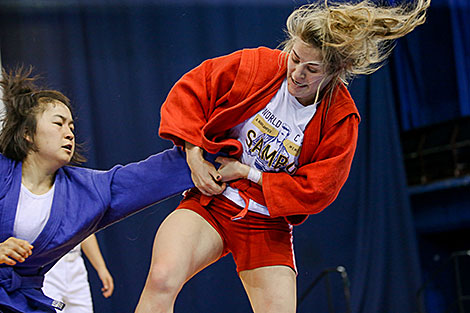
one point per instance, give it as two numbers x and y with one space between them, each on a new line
253 206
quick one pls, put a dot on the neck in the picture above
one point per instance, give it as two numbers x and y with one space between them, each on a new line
37 177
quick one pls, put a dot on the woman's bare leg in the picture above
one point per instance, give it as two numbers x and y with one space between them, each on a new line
271 289
184 245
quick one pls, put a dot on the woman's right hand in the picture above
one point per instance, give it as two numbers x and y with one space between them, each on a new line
14 249
203 173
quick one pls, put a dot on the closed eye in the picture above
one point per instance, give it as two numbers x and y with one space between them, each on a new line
294 59
312 70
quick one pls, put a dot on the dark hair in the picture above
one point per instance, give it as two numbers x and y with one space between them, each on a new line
23 100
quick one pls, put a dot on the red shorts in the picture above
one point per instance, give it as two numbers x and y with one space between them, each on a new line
254 241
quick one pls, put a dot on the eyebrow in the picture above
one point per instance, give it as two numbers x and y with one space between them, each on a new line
314 63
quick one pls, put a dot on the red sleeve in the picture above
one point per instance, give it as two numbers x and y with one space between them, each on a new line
315 185
193 99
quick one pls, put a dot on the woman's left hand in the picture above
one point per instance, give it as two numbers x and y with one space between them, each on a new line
232 169
107 281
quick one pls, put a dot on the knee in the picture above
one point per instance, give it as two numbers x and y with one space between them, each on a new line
163 279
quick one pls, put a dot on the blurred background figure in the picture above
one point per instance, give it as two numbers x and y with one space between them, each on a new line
67 280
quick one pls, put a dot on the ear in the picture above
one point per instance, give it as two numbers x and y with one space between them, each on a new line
28 137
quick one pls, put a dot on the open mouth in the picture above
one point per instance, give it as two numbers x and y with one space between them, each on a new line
68 147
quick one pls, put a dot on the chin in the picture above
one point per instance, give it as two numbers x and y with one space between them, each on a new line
65 161
292 91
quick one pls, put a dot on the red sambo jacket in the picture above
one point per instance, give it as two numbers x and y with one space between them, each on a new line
223 92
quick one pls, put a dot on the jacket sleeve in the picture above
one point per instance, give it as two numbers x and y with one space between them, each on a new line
138 185
315 185
195 97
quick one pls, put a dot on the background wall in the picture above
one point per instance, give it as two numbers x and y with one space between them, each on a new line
117 60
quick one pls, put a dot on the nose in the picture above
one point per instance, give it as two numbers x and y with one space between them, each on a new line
299 72
69 134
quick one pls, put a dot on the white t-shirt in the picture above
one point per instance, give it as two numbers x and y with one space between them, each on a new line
32 213
272 139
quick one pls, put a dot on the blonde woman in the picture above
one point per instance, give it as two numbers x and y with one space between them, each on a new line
232 104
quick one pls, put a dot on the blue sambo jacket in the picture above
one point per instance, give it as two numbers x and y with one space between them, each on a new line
84 202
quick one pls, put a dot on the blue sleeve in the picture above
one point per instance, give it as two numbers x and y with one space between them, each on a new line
138 185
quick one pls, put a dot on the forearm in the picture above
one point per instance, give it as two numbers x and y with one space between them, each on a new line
141 184
194 155
92 251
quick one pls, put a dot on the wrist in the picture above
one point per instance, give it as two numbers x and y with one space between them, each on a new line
254 175
193 153
102 271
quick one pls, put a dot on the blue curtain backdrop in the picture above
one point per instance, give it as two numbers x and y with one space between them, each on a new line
117 62
432 67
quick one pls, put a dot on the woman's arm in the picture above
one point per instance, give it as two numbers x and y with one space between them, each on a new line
315 185
232 169
135 186
92 251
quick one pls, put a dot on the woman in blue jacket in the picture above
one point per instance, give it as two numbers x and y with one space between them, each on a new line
46 206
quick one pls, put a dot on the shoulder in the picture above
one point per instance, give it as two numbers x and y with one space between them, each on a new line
99 178
258 52
6 164
9 171
252 59
342 104
4 159
83 179
259 67
87 175
264 59
264 53
96 184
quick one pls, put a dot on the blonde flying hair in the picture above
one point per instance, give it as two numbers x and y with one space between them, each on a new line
355 38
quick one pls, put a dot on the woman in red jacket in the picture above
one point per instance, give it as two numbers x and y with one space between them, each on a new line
288 127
